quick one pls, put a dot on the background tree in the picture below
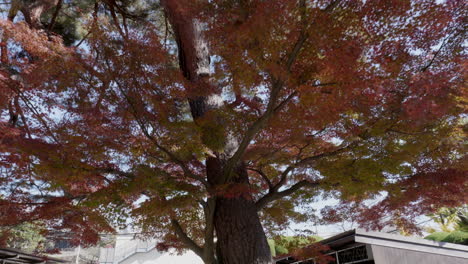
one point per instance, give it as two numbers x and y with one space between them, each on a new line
450 219
453 223
283 245
201 119
26 236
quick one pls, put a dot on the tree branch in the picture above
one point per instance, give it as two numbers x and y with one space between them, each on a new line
264 177
444 43
171 155
275 195
272 108
308 160
54 16
111 6
209 246
34 111
114 171
186 239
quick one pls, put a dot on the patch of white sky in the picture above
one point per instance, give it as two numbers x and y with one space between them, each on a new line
327 230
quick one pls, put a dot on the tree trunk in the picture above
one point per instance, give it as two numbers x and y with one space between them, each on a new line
239 233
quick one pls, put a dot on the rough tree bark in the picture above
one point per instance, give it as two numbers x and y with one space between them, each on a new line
239 233
32 10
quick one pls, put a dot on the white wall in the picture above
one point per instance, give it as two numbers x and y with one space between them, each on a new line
390 255
155 257
130 250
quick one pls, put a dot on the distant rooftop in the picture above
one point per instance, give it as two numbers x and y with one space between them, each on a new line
397 241
14 256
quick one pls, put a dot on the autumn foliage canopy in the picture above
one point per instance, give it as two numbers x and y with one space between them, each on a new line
166 112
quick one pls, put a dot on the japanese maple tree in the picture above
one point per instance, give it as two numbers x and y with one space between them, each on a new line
208 121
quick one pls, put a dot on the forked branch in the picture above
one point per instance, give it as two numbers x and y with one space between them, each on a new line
275 195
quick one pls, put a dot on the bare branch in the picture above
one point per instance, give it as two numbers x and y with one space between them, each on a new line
274 195
264 177
308 160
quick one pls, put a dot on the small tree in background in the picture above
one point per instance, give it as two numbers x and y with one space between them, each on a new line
289 244
454 225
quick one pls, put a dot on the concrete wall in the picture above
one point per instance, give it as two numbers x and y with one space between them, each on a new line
388 255
155 257
106 255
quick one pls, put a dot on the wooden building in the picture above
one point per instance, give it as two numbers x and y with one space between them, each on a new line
359 246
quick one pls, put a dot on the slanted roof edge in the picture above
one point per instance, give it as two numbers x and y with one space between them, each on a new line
409 240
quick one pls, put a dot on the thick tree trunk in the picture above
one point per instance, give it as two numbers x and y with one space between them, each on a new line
239 233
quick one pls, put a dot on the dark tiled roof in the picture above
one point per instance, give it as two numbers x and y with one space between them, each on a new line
13 256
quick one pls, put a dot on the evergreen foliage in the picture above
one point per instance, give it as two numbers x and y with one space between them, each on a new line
456 237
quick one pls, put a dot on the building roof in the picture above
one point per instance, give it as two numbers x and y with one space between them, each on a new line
351 243
14 256
396 241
